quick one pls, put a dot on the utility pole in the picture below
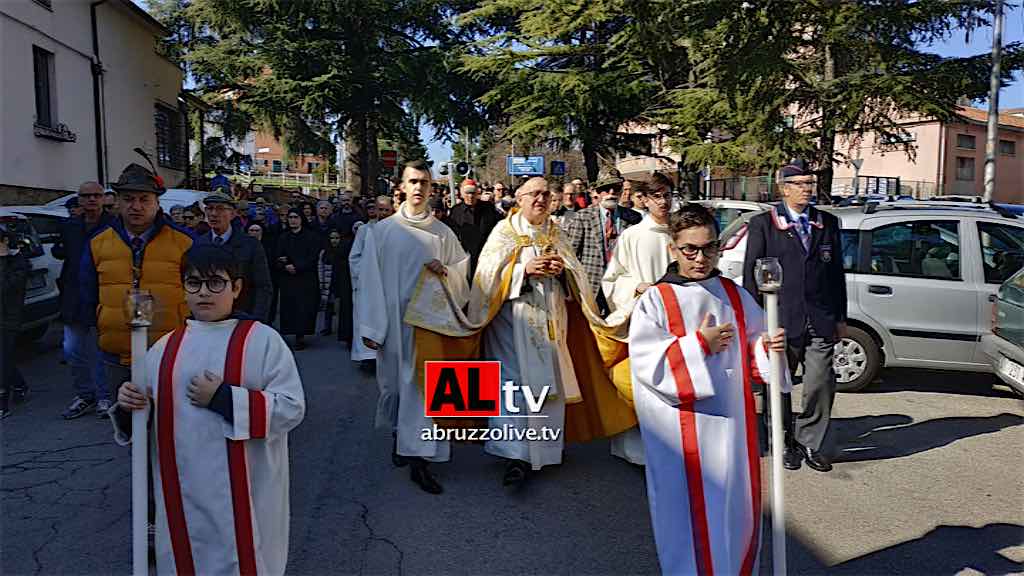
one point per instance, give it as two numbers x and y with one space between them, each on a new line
992 143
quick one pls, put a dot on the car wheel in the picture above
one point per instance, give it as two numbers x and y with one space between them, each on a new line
857 360
35 333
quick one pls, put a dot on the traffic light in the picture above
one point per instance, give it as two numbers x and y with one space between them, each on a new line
444 170
462 168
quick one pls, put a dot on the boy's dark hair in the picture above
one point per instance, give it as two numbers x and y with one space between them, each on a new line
420 165
208 259
691 216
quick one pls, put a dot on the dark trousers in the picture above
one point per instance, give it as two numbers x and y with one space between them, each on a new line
810 427
10 377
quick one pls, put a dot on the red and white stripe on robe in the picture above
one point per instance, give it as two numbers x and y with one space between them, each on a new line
699 425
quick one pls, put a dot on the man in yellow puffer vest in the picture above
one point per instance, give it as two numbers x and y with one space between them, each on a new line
142 248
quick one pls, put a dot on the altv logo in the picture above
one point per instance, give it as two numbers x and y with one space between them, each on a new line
474 389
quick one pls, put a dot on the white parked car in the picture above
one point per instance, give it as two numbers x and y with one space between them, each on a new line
921 278
42 298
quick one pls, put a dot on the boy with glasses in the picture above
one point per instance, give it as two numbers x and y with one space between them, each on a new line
225 392
696 343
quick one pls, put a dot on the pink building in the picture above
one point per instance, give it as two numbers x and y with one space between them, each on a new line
949 158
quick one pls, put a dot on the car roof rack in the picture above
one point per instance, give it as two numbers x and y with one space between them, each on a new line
873 207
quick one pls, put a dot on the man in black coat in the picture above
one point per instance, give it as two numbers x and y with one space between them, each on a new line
472 221
257 289
14 270
91 390
812 306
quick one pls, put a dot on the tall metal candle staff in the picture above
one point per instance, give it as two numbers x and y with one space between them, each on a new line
768 273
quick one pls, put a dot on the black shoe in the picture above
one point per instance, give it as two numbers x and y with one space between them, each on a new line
516 474
421 476
20 394
398 460
792 457
300 344
815 459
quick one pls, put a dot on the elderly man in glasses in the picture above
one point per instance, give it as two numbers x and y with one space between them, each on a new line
812 306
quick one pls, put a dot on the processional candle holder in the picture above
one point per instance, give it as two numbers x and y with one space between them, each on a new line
139 307
768 276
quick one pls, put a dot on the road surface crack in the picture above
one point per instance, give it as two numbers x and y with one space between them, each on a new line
364 515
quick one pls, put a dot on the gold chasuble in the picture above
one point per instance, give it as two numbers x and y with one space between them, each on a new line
444 332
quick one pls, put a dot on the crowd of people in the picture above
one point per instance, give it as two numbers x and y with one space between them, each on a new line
607 295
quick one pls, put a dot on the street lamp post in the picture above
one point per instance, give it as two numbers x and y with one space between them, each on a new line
139 309
768 274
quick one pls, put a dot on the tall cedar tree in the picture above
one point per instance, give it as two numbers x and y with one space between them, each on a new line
780 79
358 69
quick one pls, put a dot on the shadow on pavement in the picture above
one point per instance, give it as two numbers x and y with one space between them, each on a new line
938 381
897 435
944 550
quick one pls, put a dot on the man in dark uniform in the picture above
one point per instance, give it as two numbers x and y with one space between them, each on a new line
812 306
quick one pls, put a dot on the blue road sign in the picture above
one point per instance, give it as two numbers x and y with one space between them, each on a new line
557 168
525 165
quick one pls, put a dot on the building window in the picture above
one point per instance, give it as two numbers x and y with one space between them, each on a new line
1007 147
276 167
965 169
170 141
46 105
965 141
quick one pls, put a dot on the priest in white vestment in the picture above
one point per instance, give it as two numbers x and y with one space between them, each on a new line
697 343
640 259
532 309
385 208
528 337
404 245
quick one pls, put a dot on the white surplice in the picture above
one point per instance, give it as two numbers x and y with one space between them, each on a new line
266 405
528 337
396 253
699 426
641 256
355 258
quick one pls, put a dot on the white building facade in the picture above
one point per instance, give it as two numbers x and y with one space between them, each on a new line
83 86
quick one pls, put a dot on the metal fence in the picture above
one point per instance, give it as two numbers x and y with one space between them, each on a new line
763 188
885 185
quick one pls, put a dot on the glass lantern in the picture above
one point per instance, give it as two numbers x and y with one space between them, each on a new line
768 274
138 307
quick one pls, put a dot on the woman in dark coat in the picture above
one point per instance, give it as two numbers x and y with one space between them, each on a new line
336 254
296 260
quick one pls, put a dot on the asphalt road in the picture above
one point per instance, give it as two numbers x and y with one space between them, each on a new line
928 481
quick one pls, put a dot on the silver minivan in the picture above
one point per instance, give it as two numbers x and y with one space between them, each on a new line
921 278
